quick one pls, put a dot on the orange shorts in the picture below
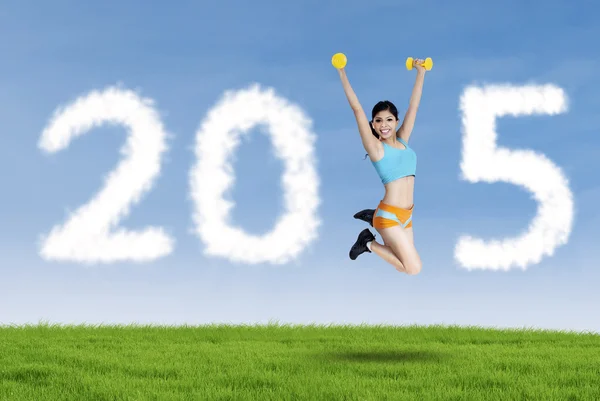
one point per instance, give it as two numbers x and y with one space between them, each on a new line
389 216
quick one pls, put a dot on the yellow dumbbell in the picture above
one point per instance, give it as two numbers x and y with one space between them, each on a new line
339 60
428 64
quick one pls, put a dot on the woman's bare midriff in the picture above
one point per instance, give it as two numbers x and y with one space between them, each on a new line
400 192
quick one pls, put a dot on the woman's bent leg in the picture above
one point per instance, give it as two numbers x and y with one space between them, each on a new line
399 249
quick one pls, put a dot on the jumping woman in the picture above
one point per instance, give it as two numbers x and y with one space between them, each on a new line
395 162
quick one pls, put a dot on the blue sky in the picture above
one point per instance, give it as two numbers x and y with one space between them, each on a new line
185 56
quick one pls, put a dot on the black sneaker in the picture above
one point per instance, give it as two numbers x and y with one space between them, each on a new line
360 246
366 215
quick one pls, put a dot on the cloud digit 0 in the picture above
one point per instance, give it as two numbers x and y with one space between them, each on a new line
216 139
91 234
484 161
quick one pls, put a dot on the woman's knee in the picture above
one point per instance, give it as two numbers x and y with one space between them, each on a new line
410 265
414 267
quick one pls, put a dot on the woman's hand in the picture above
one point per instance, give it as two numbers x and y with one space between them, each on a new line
417 63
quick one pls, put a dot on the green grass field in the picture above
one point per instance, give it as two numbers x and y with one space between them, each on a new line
285 362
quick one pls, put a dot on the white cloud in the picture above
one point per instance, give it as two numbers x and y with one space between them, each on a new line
484 161
216 141
90 235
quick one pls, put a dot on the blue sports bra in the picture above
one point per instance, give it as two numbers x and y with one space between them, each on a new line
396 163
